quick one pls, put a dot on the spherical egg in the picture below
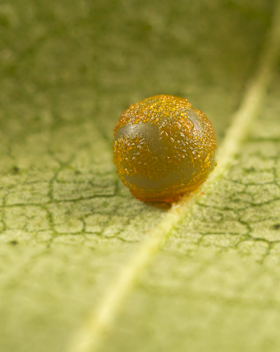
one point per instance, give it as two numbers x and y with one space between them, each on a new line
163 148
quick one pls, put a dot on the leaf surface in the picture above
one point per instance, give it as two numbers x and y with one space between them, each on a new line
68 226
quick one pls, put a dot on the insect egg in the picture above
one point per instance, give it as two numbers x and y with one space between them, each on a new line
163 148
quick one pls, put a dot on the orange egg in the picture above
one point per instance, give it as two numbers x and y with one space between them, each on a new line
163 148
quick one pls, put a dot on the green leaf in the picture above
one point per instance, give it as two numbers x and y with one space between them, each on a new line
83 265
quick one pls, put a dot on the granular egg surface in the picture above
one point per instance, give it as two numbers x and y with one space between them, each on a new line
163 148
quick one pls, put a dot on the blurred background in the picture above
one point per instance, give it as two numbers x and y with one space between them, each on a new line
70 61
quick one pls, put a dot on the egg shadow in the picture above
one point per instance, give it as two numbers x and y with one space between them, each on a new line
160 205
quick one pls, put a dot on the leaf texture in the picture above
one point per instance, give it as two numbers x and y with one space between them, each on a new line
68 226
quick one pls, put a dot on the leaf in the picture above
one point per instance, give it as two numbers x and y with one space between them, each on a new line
71 232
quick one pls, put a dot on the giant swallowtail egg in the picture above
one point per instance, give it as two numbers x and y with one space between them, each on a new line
163 148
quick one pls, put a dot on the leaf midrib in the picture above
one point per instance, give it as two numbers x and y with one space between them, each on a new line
90 334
